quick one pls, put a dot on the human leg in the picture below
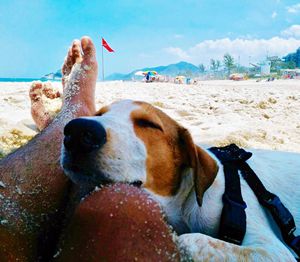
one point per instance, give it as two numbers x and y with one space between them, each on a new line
33 186
117 223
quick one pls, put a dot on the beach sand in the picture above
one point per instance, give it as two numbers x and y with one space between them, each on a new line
263 115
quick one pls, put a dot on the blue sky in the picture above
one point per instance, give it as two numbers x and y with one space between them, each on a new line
35 35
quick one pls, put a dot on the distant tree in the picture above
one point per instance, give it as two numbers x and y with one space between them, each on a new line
277 64
291 65
244 69
215 64
228 61
201 68
218 64
293 57
297 60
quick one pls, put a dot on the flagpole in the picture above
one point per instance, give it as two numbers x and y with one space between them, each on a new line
102 65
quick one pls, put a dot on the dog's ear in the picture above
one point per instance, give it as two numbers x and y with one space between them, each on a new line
204 166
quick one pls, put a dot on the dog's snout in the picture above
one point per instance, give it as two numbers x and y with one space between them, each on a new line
84 135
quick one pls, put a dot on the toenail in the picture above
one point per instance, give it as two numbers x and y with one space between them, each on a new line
84 42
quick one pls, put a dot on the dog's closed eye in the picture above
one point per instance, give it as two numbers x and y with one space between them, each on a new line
145 123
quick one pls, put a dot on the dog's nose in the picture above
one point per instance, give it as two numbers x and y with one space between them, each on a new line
84 135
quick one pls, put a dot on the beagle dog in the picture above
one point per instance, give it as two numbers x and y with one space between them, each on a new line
134 142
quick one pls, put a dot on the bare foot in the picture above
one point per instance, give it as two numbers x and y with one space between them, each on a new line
41 117
35 91
79 78
74 55
49 91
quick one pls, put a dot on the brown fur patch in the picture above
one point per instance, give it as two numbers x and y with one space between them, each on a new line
164 162
170 150
102 111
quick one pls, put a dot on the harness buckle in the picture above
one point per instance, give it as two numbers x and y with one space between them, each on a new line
233 221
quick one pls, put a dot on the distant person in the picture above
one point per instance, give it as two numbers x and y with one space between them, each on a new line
148 77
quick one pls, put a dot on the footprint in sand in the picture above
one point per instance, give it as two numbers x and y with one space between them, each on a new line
183 113
198 123
190 118
272 100
205 128
292 98
245 102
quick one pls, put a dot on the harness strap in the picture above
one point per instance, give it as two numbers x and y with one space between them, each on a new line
232 183
233 159
281 215
233 218
254 182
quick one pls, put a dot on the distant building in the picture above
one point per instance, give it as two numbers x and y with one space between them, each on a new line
265 68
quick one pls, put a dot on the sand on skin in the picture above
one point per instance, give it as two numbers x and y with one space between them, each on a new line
261 115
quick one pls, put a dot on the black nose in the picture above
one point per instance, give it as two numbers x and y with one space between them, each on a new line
84 135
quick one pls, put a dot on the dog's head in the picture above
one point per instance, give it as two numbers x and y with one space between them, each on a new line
134 142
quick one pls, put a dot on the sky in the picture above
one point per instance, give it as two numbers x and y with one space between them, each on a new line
35 35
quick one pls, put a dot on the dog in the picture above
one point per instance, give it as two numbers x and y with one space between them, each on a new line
134 142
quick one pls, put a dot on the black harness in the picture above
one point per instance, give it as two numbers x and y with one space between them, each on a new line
233 218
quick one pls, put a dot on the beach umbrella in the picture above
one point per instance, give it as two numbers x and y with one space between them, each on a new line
236 77
150 72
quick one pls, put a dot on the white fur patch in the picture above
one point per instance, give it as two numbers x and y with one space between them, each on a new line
123 157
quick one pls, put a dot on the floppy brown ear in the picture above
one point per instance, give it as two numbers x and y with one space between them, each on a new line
204 166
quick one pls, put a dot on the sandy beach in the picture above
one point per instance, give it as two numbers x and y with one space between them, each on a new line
263 115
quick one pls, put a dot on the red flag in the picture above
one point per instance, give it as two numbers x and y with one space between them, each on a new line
107 47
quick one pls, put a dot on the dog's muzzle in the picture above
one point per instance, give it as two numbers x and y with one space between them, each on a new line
83 136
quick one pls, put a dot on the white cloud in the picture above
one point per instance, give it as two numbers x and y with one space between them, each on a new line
292 31
245 49
177 52
178 36
274 14
294 9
